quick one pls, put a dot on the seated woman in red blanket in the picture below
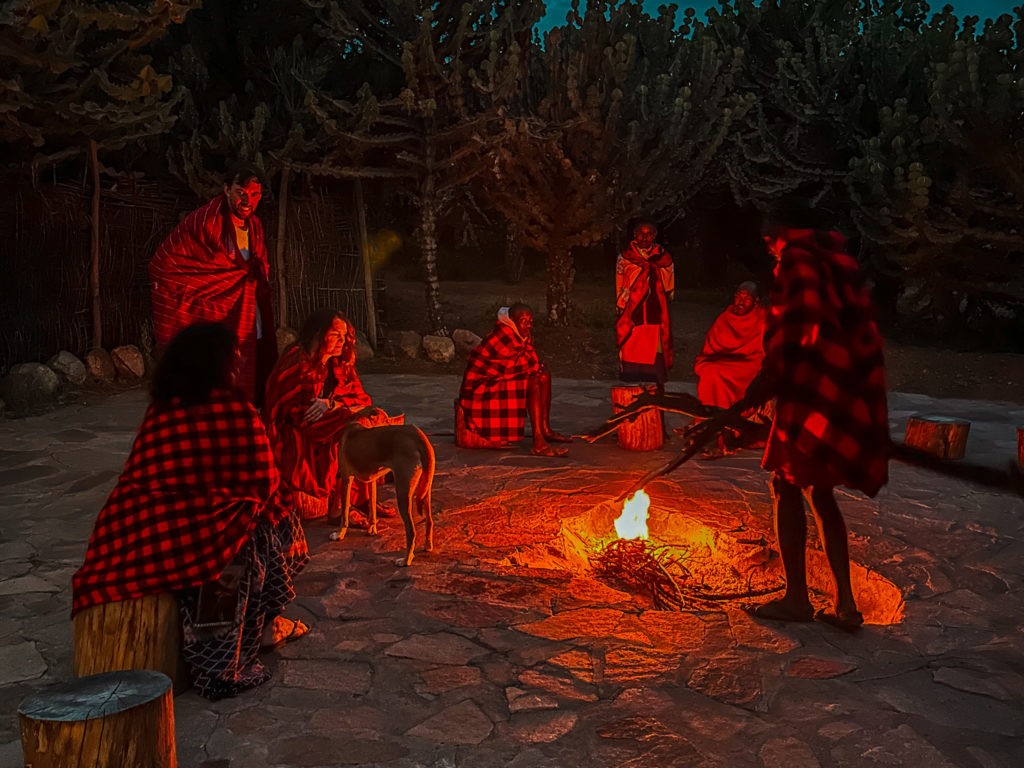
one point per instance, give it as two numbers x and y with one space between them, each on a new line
732 355
197 504
504 381
314 393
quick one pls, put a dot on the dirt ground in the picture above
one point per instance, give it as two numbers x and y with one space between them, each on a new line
586 350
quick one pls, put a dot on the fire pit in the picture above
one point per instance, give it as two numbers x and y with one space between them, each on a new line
700 559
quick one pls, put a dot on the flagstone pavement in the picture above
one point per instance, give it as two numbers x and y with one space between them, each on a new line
502 649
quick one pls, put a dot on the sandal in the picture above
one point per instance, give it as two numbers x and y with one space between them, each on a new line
284 631
848 621
550 450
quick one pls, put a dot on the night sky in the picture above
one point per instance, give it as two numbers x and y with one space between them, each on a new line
983 8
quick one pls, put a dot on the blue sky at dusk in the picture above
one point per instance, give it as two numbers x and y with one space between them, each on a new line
986 9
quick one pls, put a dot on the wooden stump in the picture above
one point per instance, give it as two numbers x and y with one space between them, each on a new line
130 634
940 436
644 433
111 720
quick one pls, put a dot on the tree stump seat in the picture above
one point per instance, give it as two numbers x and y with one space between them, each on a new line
144 633
646 432
110 720
941 436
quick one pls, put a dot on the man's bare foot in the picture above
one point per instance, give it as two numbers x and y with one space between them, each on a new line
783 610
848 620
555 437
549 450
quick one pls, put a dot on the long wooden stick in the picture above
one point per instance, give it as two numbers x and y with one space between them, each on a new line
279 261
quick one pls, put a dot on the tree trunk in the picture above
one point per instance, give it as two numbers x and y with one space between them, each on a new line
364 248
560 277
94 271
279 261
513 255
102 721
428 249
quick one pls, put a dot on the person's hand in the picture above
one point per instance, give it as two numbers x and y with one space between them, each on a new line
316 411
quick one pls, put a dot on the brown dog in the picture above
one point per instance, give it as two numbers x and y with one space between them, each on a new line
368 453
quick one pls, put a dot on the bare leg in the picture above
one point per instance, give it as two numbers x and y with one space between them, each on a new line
544 392
537 408
791 532
832 529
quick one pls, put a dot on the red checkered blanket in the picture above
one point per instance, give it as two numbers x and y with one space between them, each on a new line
493 392
197 480
198 274
824 353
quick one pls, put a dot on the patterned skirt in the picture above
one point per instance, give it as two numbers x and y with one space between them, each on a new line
224 660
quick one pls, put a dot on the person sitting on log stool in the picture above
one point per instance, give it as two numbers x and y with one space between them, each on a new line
824 365
196 510
505 380
730 359
314 393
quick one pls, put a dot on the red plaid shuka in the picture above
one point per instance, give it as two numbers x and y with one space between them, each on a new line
824 352
635 274
493 392
307 453
196 482
198 274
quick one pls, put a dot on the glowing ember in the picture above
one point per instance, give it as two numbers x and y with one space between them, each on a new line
632 523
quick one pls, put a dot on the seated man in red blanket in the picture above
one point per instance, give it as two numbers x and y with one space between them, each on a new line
732 355
313 393
213 267
197 504
504 381
824 365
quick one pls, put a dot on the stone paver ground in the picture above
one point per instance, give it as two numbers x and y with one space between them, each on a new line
501 649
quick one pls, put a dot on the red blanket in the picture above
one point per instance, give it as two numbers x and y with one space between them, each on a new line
493 391
731 357
198 273
824 352
307 453
635 273
197 480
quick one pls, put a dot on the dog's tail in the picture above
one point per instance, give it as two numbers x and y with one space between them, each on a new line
426 481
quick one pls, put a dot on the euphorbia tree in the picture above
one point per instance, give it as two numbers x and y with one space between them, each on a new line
623 115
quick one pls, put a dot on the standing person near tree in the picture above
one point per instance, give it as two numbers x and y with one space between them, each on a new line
214 267
644 285
824 365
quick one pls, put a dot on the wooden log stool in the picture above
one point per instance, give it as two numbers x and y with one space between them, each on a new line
646 432
144 633
1020 447
940 436
110 720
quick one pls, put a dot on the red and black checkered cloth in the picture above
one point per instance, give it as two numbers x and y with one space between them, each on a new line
824 353
493 392
198 274
197 480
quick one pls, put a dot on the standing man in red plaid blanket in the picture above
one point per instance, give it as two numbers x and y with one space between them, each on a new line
824 364
504 381
214 267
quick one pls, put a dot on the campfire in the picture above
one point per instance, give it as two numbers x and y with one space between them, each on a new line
632 560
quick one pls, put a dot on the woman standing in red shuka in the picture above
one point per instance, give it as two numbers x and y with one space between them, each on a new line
644 284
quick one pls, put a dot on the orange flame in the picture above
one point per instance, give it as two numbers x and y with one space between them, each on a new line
632 523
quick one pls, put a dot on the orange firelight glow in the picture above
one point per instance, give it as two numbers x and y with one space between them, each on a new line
632 523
